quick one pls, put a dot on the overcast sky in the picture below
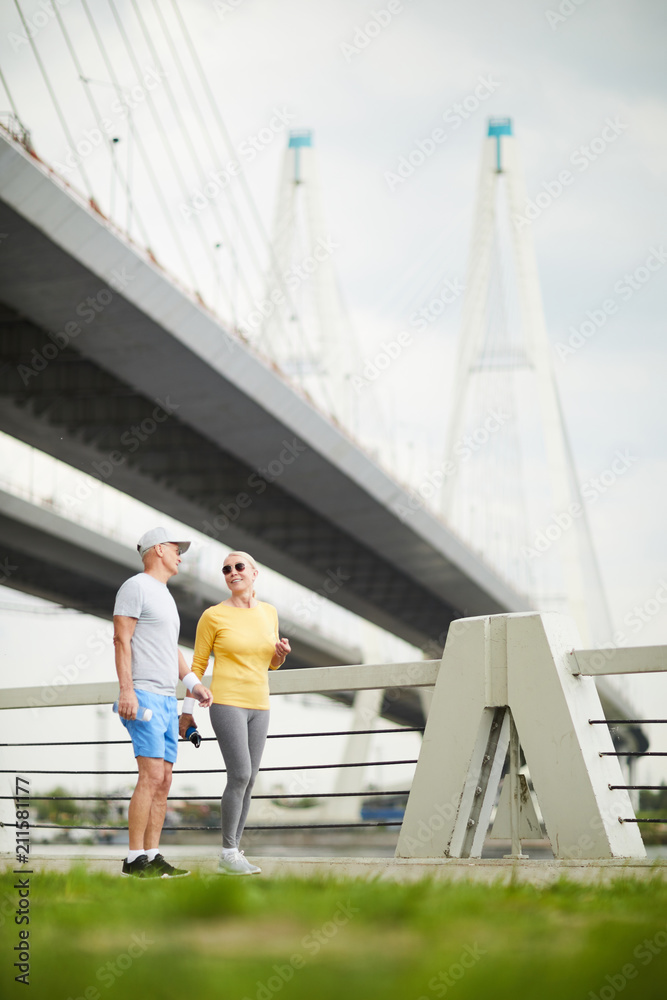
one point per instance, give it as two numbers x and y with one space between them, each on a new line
585 86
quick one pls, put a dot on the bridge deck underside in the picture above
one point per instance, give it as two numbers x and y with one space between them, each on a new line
154 398
93 409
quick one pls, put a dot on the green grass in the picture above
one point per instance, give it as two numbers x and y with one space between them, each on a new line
98 936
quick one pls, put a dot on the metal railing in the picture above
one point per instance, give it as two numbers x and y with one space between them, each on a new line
502 679
310 680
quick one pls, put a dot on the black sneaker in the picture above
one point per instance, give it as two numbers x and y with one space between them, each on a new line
160 868
140 867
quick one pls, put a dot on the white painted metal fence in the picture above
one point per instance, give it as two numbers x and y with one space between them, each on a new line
503 680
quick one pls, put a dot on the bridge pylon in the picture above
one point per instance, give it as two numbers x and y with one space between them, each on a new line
306 330
510 486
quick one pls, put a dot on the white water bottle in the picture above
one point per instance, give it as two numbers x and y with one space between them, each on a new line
143 714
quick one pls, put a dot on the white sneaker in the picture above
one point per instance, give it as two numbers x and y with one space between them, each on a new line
253 869
234 863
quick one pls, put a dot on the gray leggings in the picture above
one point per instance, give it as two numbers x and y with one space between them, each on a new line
241 733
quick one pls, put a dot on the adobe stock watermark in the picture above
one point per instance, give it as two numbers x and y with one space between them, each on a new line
451 290
43 16
94 138
306 609
86 311
7 570
268 811
97 642
464 449
642 614
591 490
218 180
566 8
312 943
454 116
644 953
448 978
581 158
587 841
101 470
390 350
257 483
627 286
442 813
115 969
373 367
635 620
367 32
411 676
225 7
291 279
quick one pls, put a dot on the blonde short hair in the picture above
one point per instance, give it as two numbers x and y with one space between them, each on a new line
245 555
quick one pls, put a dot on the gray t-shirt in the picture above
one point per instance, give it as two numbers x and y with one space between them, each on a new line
155 639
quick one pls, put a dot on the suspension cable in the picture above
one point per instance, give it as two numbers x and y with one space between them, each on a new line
221 126
188 144
266 242
9 95
140 146
98 118
61 117
163 135
205 133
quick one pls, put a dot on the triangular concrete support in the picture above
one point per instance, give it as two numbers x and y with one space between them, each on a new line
528 823
520 661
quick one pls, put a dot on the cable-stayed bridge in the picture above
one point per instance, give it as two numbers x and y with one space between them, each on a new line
111 367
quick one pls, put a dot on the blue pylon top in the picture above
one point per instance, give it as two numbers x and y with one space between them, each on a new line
497 128
300 137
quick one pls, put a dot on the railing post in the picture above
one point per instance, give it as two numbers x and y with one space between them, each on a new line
520 661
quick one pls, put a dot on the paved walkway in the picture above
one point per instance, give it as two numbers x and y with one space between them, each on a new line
536 872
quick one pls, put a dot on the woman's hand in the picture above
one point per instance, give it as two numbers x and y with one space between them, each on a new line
203 695
282 649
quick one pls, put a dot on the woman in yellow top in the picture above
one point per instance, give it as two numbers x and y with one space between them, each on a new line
242 633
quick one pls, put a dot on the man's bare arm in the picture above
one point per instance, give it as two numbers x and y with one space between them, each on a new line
123 630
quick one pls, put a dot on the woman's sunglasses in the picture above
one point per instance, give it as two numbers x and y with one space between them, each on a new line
237 566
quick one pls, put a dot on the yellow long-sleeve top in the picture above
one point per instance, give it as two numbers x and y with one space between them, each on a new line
243 642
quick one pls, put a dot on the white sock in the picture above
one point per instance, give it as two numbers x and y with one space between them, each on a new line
133 855
152 852
228 851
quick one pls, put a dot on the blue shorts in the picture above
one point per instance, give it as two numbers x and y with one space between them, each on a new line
159 736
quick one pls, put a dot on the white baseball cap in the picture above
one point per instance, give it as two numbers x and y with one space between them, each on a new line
157 536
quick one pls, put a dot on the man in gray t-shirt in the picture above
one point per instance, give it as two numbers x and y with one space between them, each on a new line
149 665
154 642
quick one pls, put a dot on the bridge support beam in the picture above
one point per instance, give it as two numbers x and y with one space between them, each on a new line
519 664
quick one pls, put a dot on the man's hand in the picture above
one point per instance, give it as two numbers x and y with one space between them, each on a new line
128 704
184 723
203 695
